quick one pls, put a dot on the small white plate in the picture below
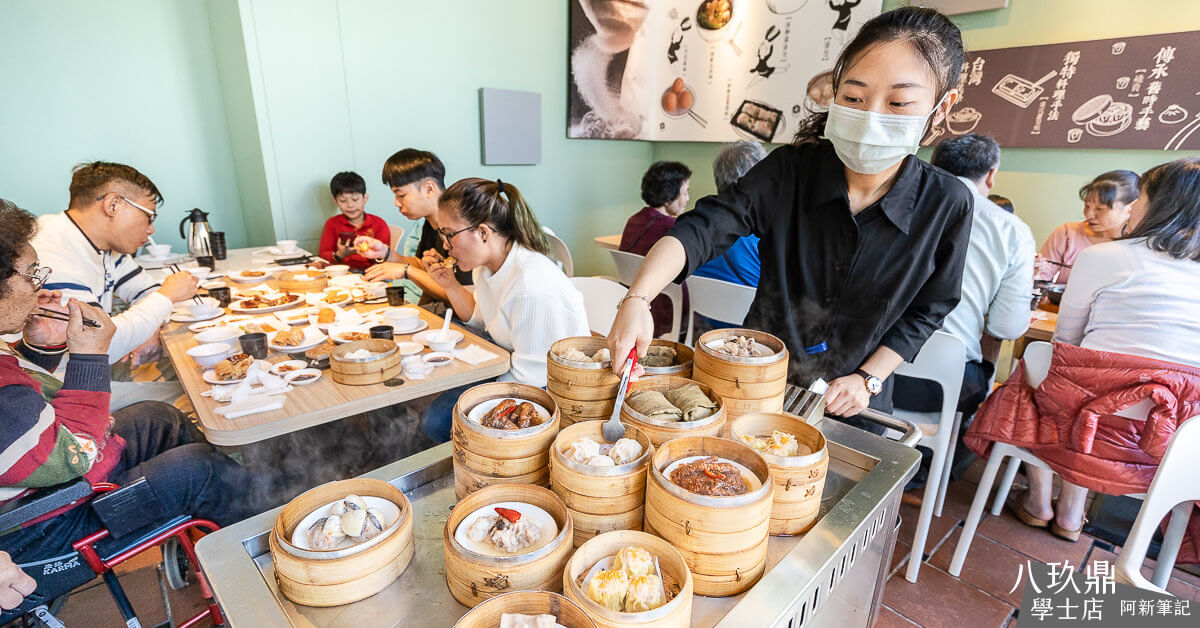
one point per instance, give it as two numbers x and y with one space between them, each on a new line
299 541
476 414
546 524
210 375
184 316
231 320
295 317
437 358
237 306
336 333
218 334
294 375
409 348
752 481
240 277
288 366
312 338
209 285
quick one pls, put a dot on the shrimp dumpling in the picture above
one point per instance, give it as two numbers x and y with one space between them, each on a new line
601 460
608 588
645 593
325 533
634 560
625 450
584 449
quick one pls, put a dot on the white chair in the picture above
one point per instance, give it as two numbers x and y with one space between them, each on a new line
942 360
560 252
719 300
397 236
627 268
1173 490
600 298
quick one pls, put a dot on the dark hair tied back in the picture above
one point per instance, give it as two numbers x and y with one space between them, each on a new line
482 202
931 34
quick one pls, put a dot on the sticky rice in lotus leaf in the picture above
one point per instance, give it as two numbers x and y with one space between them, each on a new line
658 356
692 403
654 405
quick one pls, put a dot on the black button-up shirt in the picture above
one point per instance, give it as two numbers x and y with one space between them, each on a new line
886 276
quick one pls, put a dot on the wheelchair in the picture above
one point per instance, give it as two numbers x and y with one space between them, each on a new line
133 523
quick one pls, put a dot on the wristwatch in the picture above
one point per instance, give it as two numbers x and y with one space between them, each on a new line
874 384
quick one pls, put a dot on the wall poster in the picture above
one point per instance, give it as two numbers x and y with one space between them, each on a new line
1128 92
701 70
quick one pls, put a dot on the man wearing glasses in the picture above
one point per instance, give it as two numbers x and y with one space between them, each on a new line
90 248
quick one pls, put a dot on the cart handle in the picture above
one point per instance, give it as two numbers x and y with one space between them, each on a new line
912 433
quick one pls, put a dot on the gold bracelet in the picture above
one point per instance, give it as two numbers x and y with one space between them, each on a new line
632 295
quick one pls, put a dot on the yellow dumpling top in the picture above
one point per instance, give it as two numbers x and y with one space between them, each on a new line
608 588
645 593
635 561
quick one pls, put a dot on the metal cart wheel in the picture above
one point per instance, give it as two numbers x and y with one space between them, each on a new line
175 561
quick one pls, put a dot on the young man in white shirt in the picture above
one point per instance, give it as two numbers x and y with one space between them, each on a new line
997 278
90 247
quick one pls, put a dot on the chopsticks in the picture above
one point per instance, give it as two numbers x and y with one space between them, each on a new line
196 298
59 316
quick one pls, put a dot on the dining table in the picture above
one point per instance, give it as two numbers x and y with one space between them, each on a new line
325 400
612 242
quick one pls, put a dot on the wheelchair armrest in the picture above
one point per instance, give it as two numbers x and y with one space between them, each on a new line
129 508
43 501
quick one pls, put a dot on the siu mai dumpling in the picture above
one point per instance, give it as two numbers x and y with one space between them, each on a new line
634 560
645 593
625 450
601 461
608 589
516 620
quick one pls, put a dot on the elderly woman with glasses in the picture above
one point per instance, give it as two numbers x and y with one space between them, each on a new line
58 430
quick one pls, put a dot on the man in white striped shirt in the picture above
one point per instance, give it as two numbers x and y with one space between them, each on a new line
90 250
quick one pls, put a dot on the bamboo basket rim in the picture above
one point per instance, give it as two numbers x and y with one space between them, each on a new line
730 501
340 351
761 337
560 457
284 533
583 366
674 369
491 432
519 559
549 593
633 618
806 460
707 421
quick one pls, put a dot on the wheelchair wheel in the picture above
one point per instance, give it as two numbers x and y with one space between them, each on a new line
175 562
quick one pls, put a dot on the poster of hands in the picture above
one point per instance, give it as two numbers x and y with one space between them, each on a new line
701 70
1128 92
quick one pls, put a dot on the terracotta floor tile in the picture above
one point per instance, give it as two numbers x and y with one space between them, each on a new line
94 607
990 567
1035 543
888 618
900 555
938 600
939 527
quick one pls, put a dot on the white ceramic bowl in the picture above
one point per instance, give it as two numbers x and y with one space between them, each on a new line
402 318
218 334
337 270
287 246
158 251
432 339
208 355
206 307
288 366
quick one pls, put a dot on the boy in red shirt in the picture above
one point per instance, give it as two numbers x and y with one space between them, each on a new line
349 192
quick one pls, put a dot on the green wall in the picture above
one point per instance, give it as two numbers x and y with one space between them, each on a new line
133 81
1042 183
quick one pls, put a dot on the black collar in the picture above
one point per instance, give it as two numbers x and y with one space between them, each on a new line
897 203
82 232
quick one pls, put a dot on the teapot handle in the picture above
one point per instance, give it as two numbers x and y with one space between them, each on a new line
181 223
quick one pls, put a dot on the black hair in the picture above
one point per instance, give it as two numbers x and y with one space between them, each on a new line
87 179
347 183
1003 202
932 34
410 165
498 205
663 182
1172 221
734 160
18 227
1113 186
970 155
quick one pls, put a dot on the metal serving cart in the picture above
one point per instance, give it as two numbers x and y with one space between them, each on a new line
831 576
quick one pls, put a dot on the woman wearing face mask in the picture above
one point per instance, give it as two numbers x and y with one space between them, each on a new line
1106 204
862 244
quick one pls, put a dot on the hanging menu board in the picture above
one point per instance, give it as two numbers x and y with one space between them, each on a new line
1130 92
701 70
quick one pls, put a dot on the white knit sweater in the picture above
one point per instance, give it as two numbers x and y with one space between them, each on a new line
526 306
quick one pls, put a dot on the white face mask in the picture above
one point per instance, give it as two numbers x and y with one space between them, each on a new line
868 142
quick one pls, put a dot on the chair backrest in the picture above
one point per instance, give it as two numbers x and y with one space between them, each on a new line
942 360
600 298
397 235
560 252
719 300
627 265
1037 366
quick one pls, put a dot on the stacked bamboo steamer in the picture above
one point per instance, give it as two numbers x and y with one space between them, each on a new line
335 581
723 539
799 480
746 384
485 456
660 431
489 613
473 578
288 281
600 499
588 391
380 367
676 613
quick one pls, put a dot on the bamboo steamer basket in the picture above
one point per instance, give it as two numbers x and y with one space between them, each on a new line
485 456
473 578
489 613
746 384
573 411
799 480
600 499
684 357
660 432
723 539
676 613
587 391
383 367
286 281
332 582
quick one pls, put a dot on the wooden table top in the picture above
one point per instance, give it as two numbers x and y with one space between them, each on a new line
609 242
325 400
1043 329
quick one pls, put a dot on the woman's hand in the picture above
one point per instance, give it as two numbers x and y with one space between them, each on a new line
370 248
437 268
83 338
385 271
847 396
632 328
14 583
47 332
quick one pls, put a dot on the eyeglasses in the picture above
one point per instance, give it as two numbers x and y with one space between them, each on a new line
38 274
149 212
447 237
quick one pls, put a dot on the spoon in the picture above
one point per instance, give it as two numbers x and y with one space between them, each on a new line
612 429
442 335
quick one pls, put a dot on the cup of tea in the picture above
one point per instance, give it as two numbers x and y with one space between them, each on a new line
395 295
207 261
254 345
381 331
223 295
287 246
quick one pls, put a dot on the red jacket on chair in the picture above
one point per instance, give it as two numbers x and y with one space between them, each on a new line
1070 423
